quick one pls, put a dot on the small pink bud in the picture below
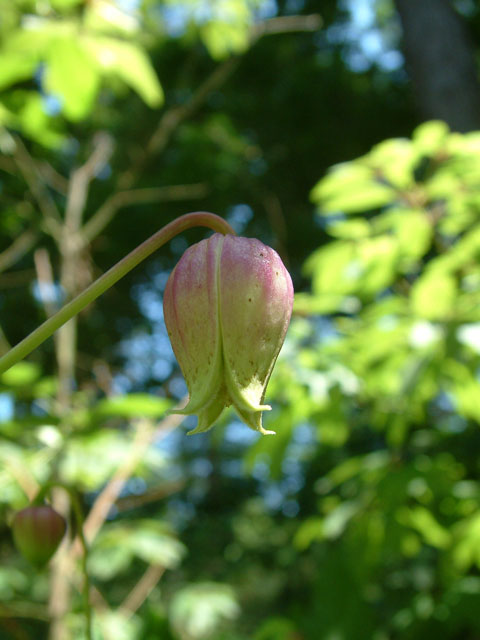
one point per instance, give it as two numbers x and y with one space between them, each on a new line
227 307
37 533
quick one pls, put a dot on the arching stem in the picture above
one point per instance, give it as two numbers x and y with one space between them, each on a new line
113 275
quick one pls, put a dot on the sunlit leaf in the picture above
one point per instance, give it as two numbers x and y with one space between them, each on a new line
351 189
117 544
433 295
15 66
72 76
110 17
197 610
132 405
430 137
222 38
21 374
394 160
356 228
309 531
128 62
36 122
423 521
90 460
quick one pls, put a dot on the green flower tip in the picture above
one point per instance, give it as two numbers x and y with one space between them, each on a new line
227 307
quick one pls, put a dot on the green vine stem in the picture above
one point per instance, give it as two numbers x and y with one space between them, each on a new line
77 510
113 275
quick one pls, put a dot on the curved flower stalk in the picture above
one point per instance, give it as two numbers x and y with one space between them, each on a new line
227 307
109 278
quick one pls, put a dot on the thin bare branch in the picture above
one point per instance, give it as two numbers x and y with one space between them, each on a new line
8 165
19 609
173 117
141 590
286 24
60 577
154 495
18 249
80 180
29 170
105 500
44 271
110 493
46 172
17 278
52 177
23 477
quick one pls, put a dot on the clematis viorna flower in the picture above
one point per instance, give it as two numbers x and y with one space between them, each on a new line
227 306
37 532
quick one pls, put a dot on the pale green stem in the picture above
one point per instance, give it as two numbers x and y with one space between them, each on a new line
113 275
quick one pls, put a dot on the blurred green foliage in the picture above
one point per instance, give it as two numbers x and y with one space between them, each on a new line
359 519
389 387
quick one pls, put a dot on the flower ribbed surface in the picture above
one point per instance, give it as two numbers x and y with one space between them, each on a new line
227 307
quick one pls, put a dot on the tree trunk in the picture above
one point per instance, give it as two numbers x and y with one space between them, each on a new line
441 62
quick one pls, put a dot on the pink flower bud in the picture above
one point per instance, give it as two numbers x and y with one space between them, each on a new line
227 307
37 533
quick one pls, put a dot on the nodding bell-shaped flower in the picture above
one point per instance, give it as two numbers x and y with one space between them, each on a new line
37 532
227 306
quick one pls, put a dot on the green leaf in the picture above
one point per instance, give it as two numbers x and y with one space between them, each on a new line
412 229
128 62
197 610
111 18
222 38
15 67
36 123
132 405
351 188
464 386
394 160
423 521
332 268
433 295
466 551
276 629
430 137
306 304
350 229
308 532
110 554
378 260
335 523
63 5
72 76
117 544
12 580
90 460
154 543
21 374
113 624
